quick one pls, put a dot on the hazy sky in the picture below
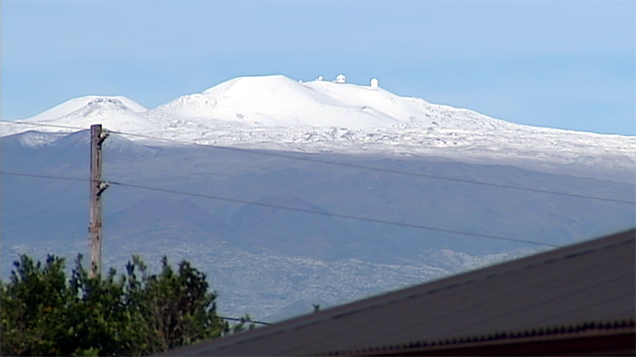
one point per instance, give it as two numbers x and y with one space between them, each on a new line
563 64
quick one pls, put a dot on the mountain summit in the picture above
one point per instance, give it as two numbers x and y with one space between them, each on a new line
276 112
77 103
283 102
275 101
266 101
116 113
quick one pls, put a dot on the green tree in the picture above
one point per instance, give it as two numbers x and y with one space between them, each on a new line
176 307
43 313
34 306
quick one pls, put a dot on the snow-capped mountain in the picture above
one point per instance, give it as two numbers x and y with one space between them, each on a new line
112 111
276 112
118 113
279 104
263 260
77 103
278 101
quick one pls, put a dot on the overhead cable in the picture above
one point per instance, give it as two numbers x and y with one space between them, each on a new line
361 167
345 216
244 320
391 171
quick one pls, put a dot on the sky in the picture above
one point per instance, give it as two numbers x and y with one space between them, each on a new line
561 64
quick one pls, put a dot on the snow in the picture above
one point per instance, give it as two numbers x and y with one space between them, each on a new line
113 112
274 101
277 101
36 139
77 103
276 112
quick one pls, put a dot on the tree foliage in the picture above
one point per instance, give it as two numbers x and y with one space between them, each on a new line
137 313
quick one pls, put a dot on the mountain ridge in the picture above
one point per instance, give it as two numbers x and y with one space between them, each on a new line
281 95
260 113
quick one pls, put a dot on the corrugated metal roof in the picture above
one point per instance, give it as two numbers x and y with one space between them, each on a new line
526 337
590 281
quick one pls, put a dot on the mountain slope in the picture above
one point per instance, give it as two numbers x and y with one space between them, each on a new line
80 113
77 103
112 111
149 215
262 259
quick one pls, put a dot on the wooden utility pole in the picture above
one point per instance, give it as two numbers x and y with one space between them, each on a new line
97 187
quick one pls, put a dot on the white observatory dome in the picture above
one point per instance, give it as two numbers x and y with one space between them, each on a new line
374 83
341 78
319 78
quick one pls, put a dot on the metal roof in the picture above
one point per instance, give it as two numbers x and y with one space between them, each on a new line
591 338
588 283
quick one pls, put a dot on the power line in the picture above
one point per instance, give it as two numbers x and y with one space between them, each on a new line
244 320
345 216
44 176
329 214
361 167
43 124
